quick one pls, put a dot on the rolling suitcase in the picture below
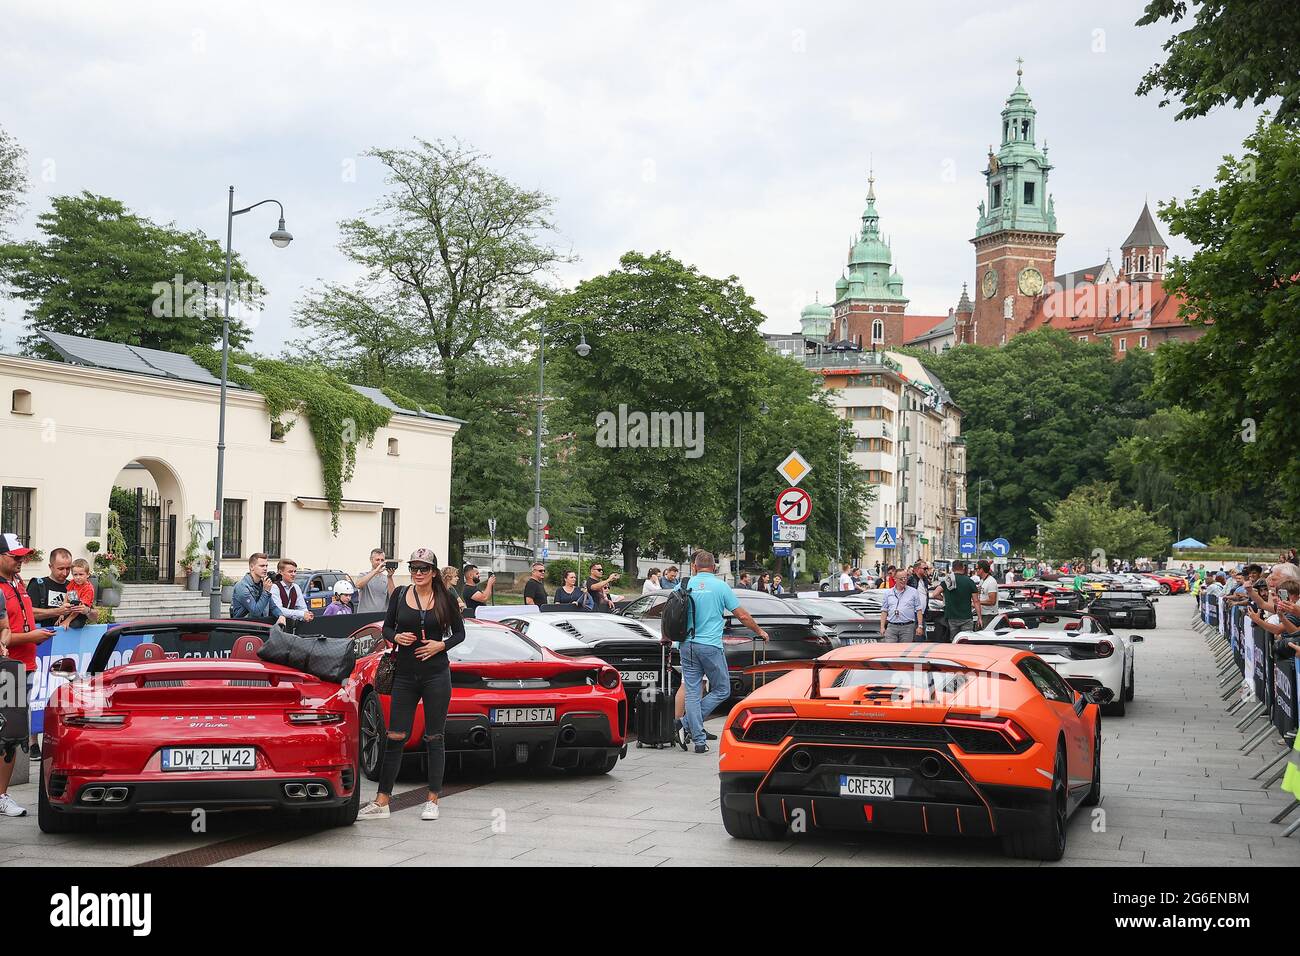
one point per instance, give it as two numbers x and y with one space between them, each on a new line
14 720
654 710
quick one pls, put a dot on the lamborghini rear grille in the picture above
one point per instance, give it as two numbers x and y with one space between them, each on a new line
980 741
872 732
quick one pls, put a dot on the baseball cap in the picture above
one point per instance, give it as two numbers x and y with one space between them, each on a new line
423 556
9 544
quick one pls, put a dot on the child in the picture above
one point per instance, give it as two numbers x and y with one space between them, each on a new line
80 586
342 603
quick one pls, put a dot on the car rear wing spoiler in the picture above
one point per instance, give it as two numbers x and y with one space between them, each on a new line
817 665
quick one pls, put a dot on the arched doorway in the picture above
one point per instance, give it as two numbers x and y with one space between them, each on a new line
147 501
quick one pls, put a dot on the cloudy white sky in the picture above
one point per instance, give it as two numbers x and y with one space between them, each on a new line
735 135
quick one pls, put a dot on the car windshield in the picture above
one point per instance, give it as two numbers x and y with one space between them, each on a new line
832 612
178 643
484 644
763 606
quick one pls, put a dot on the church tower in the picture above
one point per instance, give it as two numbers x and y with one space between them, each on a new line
1145 250
1015 238
869 300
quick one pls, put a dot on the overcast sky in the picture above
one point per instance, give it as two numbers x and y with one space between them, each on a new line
737 136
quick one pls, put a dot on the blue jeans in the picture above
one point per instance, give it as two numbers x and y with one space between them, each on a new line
699 661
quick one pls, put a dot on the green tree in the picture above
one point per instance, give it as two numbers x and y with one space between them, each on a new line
13 180
1039 416
457 248
1238 379
1236 51
369 333
1090 523
104 272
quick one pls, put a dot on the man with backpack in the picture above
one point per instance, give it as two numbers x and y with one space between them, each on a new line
702 653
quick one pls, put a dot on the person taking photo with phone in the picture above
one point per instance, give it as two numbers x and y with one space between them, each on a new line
423 623
476 591
375 586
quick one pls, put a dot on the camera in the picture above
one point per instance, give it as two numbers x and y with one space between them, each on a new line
390 565
275 577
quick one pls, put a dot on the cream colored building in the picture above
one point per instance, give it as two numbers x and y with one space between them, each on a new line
114 415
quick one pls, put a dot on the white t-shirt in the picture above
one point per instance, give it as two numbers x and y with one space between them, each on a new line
1011 577
846 582
989 586
650 586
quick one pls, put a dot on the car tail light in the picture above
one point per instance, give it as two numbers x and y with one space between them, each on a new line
94 720
821 640
609 678
747 718
1105 648
1014 734
315 717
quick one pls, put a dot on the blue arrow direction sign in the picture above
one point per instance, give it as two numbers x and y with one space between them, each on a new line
1000 547
968 529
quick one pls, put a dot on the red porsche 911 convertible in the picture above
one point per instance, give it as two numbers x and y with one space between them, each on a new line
179 715
512 702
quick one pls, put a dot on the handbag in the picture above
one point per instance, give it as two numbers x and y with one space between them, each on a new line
386 669
329 658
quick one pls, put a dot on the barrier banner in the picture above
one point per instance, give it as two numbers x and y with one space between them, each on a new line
1286 676
1259 675
1234 635
79 643
339 625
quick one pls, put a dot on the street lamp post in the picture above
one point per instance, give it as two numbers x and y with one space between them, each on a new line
583 350
280 238
979 508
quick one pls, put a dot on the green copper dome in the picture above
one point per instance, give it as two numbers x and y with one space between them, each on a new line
1016 174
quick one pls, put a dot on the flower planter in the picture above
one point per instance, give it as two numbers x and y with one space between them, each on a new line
228 594
192 581
109 597
205 583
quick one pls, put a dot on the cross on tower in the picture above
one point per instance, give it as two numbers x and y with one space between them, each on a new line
1020 62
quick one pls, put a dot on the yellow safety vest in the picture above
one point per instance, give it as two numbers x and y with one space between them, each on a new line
1291 781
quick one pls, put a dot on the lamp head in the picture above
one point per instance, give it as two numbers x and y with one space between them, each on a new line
582 348
281 237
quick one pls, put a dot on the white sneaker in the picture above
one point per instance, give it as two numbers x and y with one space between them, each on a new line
373 811
430 811
8 808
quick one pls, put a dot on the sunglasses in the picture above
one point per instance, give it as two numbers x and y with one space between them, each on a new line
420 568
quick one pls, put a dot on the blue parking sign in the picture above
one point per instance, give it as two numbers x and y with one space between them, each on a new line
968 529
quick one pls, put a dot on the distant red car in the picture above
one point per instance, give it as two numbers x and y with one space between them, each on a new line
178 715
513 702
1169 583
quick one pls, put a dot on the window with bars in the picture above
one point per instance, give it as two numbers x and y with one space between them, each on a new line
16 513
388 531
273 529
232 528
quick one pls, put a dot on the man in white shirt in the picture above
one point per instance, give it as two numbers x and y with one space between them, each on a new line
846 579
988 596
1010 576
288 601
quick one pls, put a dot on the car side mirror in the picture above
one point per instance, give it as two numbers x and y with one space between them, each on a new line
64 667
1136 638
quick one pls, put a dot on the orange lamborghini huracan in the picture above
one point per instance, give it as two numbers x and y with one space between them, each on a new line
950 739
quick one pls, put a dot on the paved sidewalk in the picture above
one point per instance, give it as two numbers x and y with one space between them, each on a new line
1176 791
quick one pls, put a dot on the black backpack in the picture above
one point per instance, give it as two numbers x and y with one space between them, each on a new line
679 614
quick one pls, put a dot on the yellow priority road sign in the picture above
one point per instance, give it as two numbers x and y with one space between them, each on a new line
794 468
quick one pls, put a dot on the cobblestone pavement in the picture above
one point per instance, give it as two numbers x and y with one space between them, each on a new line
1176 790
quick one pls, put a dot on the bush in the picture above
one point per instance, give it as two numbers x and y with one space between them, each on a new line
557 569
92 547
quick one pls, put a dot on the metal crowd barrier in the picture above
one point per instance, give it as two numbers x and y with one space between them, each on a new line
1244 656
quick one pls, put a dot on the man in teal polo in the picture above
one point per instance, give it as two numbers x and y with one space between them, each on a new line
702 653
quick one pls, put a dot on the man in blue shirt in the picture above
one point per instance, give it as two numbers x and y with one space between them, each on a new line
901 610
702 653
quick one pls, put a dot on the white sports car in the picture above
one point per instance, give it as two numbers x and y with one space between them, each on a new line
1079 647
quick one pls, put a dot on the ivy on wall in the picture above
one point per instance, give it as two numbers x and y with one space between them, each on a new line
338 415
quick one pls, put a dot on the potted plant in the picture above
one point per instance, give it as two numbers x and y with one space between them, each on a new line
92 547
227 589
110 588
190 557
205 575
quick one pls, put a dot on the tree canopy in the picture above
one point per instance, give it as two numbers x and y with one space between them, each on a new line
104 272
13 180
1094 524
1237 51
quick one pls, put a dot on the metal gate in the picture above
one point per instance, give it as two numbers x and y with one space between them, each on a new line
150 544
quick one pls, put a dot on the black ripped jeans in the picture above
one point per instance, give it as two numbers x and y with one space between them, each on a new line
408 690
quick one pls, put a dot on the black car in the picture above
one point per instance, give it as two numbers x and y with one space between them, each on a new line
851 626
868 603
1123 609
792 634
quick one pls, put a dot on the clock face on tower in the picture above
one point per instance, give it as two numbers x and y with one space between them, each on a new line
989 285
1031 281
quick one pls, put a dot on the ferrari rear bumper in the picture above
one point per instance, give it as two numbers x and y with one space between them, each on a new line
579 739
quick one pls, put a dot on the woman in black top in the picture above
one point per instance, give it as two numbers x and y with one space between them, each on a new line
568 592
423 623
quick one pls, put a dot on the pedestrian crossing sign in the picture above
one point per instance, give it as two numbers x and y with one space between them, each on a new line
886 537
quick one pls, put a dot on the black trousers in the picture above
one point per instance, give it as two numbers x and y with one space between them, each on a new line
408 691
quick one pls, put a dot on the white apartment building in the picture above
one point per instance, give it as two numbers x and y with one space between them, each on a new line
906 437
